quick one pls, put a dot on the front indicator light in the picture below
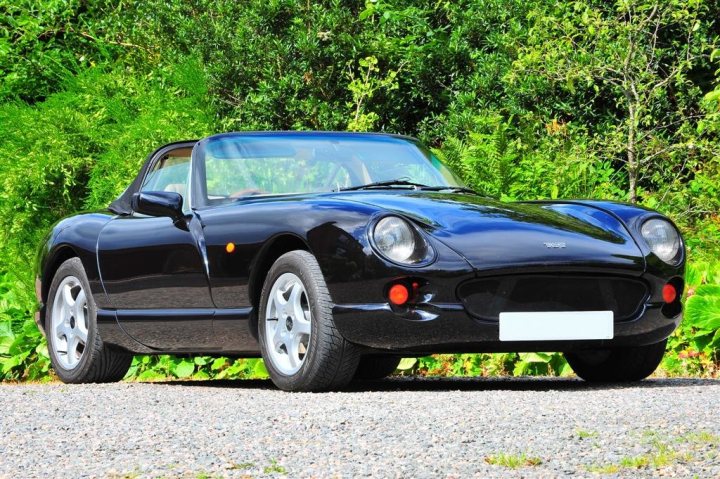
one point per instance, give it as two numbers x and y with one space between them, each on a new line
398 294
669 293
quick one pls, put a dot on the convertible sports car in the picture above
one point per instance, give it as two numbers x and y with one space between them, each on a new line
331 255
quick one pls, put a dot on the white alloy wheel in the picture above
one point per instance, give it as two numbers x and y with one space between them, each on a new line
300 345
77 351
69 322
288 324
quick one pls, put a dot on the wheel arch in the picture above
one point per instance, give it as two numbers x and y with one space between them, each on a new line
270 252
52 263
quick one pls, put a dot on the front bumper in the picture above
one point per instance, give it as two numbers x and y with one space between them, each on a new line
447 328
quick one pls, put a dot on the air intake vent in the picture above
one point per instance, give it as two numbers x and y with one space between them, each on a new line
486 298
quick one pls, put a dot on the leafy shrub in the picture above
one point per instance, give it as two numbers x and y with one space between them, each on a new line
77 150
153 368
695 346
23 354
499 364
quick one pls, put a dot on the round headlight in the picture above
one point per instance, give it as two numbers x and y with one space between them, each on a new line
663 239
398 241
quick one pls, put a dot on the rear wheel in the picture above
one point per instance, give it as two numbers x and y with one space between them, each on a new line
77 352
617 365
376 366
302 349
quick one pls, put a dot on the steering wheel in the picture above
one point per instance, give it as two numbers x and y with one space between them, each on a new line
339 170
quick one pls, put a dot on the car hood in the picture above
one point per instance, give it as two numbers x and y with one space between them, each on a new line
494 236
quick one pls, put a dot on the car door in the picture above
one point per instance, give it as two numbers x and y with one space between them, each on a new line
153 269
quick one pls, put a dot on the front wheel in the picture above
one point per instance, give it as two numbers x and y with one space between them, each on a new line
77 352
302 349
617 365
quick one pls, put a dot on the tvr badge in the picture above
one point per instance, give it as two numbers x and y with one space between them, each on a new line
555 244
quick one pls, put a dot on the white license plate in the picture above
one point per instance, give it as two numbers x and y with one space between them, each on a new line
556 326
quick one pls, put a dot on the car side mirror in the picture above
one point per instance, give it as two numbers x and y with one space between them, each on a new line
159 203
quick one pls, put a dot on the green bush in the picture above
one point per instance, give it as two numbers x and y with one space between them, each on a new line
695 346
78 150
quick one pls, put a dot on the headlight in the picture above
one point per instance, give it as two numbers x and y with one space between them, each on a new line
398 241
663 239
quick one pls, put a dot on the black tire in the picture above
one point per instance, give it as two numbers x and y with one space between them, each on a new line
330 361
617 365
376 366
98 363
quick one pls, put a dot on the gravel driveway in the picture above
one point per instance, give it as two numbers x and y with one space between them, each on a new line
393 428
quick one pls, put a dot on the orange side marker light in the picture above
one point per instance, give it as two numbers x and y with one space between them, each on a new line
230 247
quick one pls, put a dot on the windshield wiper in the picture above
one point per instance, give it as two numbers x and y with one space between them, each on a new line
380 184
451 189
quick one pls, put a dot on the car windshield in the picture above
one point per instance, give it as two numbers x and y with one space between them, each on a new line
238 166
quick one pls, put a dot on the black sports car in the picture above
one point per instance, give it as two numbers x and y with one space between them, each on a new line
331 255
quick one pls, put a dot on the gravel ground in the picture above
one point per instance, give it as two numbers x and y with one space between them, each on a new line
393 428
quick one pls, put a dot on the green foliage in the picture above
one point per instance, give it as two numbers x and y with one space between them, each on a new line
526 99
23 354
703 311
695 347
274 468
500 159
513 461
160 368
662 451
472 365
80 147
78 150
